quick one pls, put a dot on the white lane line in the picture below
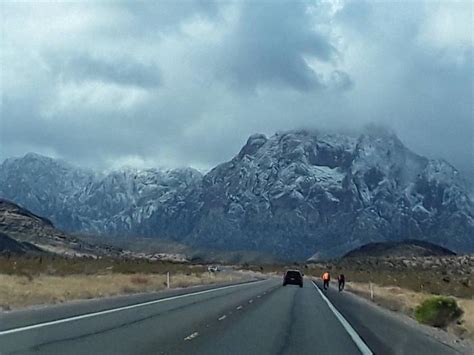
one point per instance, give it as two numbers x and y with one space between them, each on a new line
222 318
123 308
250 301
364 349
191 336
240 307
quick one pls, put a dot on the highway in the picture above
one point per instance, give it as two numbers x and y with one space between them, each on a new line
260 317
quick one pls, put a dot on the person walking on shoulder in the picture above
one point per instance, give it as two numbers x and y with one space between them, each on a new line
326 278
341 280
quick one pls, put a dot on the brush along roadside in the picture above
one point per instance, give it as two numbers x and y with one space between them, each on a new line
417 304
19 291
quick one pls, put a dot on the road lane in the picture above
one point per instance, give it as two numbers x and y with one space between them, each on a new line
364 349
258 318
43 324
19 318
290 320
130 330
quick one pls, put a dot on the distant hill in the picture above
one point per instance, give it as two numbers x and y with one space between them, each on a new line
10 245
24 232
405 248
155 246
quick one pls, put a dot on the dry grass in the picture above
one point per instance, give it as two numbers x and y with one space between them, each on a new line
61 266
19 291
466 328
405 301
390 297
52 279
140 280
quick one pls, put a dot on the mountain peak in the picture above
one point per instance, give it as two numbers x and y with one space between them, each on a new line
36 157
294 194
33 155
253 144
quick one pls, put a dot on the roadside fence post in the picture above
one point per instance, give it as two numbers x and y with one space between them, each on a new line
168 279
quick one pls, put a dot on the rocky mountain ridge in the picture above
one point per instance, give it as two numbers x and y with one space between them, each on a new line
296 194
24 232
10 245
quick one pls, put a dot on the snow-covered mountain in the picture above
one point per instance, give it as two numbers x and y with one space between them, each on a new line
122 202
294 194
46 186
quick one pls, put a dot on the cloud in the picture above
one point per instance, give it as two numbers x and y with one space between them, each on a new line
267 47
170 85
122 71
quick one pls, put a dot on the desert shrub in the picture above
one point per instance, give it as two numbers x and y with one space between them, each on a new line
128 289
139 280
26 274
438 311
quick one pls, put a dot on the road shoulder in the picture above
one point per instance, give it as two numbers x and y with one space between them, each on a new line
351 306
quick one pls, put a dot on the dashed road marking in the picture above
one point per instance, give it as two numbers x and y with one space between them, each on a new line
259 296
118 309
222 317
240 307
250 301
191 336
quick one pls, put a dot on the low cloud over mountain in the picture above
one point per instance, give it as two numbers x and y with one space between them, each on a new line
162 84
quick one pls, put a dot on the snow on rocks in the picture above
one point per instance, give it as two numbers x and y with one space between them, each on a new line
293 194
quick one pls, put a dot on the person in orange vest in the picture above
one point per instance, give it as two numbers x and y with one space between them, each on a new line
326 278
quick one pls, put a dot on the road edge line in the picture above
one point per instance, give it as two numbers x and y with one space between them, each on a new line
118 309
364 349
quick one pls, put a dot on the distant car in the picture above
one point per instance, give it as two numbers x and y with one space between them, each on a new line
215 268
293 277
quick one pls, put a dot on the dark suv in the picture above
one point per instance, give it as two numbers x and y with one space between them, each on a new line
293 277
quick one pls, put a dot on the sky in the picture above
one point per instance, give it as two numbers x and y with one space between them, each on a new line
184 83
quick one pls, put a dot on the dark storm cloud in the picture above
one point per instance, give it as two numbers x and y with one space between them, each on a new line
423 69
268 47
79 66
185 83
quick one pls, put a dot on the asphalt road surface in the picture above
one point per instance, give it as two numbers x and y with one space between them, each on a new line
260 317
